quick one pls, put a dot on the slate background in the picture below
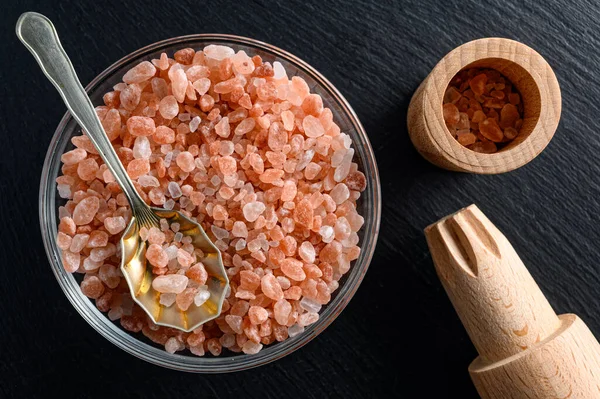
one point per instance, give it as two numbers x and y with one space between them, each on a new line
399 337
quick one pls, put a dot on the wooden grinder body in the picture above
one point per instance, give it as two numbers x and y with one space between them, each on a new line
530 74
525 349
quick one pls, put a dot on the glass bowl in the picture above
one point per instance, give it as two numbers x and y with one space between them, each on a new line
369 206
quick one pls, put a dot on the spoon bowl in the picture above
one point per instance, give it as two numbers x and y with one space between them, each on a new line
39 36
139 277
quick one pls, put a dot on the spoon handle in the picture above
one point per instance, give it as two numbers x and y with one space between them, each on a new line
39 36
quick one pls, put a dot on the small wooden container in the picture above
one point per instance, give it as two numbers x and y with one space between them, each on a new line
530 74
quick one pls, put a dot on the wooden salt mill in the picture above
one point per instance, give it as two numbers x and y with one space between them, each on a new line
525 349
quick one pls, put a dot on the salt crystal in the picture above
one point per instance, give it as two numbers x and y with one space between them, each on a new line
251 347
218 52
312 126
327 233
340 193
295 330
253 210
344 168
171 252
140 73
168 107
164 225
194 123
173 345
169 204
240 244
64 190
307 252
178 237
115 313
148 181
305 159
167 299
219 232
174 190
172 283
310 305
215 180
91 265
278 71
306 319
159 87
202 296
63 212
235 322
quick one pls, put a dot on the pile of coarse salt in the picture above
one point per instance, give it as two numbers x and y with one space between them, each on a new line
251 154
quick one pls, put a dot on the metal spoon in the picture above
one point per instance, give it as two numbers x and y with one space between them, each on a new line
39 36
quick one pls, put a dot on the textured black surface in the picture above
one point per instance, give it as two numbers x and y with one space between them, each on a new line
399 337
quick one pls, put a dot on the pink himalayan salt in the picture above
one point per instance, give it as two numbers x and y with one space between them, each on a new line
222 128
303 213
109 275
92 287
312 126
67 226
253 210
184 258
78 242
137 168
245 126
235 323
179 82
293 269
100 254
289 190
171 283
185 298
278 141
71 261
340 193
281 311
201 85
249 280
63 241
185 161
251 347
197 273
257 315
307 319
277 137
140 73
141 126
306 251
157 256
115 225
155 236
164 135
86 170
130 97
168 107
227 165
85 210
271 288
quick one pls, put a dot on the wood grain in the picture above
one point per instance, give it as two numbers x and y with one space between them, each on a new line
376 53
525 350
525 68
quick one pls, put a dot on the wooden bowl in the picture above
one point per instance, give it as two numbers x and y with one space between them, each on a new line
530 74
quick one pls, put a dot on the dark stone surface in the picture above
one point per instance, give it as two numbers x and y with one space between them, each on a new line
399 337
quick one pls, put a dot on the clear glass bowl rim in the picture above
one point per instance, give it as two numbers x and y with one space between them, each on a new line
144 351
